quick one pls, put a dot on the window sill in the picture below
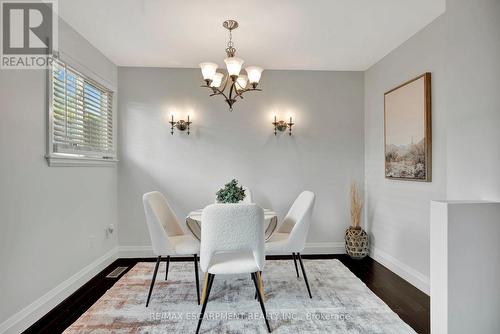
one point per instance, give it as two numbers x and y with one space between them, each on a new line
61 161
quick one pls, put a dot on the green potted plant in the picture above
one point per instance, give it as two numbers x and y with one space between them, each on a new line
230 193
356 239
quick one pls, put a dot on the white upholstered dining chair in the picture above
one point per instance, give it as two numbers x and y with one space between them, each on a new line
232 242
167 237
292 233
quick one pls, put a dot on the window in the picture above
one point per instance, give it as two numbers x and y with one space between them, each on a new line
81 117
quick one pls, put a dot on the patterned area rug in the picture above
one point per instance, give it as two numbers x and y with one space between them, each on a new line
341 303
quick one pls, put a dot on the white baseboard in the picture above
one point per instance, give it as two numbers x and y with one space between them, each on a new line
412 276
135 251
324 248
34 311
311 248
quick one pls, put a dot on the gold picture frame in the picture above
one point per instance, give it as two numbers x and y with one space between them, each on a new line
407 130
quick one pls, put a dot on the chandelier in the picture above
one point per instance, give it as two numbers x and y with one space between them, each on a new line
236 84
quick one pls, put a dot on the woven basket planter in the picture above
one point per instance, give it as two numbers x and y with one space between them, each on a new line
356 243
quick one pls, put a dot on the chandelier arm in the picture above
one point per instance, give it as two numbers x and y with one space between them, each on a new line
219 92
225 82
215 91
231 90
240 93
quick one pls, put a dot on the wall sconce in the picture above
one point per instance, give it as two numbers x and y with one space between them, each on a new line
181 125
282 126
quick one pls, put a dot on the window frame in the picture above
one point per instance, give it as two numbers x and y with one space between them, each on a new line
56 159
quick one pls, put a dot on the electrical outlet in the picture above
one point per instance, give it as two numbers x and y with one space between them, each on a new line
109 230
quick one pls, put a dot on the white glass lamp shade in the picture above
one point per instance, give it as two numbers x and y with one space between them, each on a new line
233 65
208 70
217 80
241 82
254 73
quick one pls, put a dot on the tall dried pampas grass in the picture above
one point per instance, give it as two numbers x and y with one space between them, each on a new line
356 206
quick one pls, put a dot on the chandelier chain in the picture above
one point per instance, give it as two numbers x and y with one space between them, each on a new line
230 43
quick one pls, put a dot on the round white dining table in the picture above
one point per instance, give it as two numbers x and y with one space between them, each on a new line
194 223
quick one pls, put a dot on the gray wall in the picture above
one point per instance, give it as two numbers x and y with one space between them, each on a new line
323 155
47 213
473 99
461 49
397 212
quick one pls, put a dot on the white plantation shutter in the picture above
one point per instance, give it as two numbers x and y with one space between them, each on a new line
82 114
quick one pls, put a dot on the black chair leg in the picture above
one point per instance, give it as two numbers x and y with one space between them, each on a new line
304 274
256 291
205 301
254 278
295 261
168 263
153 280
197 278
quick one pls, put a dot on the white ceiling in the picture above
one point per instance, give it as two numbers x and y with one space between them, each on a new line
277 34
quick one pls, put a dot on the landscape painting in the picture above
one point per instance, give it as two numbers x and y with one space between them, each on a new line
407 116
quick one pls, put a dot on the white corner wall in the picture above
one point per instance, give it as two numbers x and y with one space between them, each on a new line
52 219
464 267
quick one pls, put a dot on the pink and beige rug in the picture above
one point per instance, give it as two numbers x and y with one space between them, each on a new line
341 303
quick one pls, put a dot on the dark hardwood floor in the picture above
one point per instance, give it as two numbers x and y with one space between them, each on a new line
412 305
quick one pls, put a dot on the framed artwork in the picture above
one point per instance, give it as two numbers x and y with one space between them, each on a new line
407 130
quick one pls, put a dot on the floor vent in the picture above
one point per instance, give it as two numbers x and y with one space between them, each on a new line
117 272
